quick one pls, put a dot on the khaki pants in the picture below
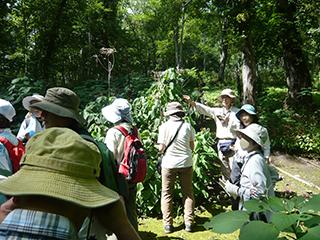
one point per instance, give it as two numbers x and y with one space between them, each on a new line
168 181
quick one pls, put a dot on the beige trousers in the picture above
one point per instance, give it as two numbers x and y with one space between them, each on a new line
169 177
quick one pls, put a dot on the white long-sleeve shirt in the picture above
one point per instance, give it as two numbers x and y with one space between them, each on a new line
224 129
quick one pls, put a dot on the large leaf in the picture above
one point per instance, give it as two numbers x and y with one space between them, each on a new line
282 220
276 204
313 234
258 230
256 205
312 205
227 222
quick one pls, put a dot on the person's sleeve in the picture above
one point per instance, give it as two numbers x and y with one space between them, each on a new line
235 125
5 162
111 142
22 132
257 179
205 110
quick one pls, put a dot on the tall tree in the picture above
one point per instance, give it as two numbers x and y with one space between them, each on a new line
295 63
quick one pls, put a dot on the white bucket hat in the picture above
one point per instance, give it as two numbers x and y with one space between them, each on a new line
255 132
228 92
7 110
120 109
26 102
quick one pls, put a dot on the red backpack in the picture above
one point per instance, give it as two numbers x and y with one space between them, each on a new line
134 163
15 152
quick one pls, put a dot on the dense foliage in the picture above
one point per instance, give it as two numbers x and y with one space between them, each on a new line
296 218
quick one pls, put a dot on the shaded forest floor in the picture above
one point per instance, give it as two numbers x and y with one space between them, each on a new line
300 176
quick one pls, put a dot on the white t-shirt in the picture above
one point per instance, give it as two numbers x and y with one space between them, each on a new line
115 141
179 153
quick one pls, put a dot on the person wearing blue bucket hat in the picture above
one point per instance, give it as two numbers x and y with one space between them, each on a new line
248 117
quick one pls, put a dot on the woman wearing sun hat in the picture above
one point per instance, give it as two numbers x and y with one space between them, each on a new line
247 115
57 187
30 124
255 180
176 162
226 125
119 114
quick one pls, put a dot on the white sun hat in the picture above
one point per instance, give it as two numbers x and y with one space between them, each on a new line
119 109
7 110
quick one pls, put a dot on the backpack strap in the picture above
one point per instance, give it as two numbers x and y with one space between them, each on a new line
125 132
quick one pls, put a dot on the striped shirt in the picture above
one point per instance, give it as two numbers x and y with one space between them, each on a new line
22 224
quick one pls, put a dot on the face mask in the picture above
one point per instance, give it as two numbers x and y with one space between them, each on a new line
244 144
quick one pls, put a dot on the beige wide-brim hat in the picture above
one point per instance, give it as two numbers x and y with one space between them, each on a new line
255 132
228 92
27 100
62 102
58 163
172 108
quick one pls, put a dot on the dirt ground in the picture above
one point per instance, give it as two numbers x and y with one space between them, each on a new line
300 175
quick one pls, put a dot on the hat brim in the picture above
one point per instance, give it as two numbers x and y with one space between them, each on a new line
26 101
171 112
86 192
58 110
247 134
242 110
111 114
228 95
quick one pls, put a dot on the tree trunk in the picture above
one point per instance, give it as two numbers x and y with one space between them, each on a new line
51 44
249 75
295 64
224 52
176 45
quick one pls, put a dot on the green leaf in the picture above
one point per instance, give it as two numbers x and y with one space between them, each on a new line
258 230
227 222
276 204
282 220
256 205
312 234
312 205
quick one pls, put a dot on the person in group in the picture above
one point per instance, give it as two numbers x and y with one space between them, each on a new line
60 108
176 139
226 125
11 149
119 114
255 179
57 187
31 124
247 115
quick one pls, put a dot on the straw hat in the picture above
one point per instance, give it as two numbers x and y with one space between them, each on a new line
7 110
228 92
62 102
248 108
118 110
172 108
27 100
58 163
255 132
